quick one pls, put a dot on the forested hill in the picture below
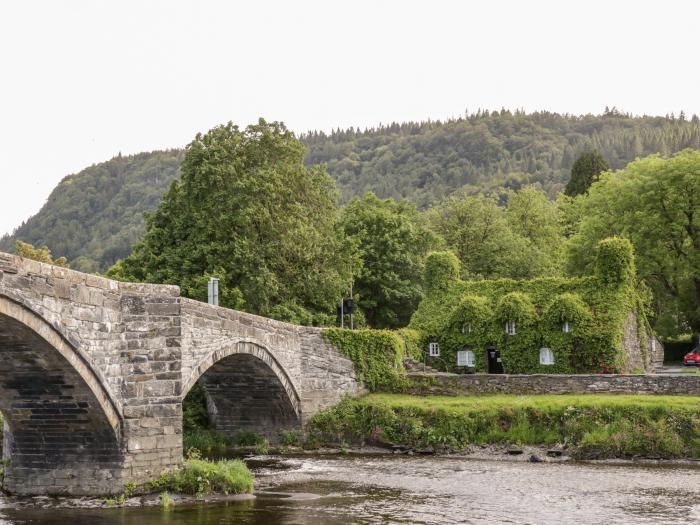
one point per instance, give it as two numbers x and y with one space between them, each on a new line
94 217
485 151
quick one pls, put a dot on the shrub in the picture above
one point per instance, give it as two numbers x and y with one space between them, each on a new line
200 477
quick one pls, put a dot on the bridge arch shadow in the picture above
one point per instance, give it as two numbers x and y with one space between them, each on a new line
247 390
61 423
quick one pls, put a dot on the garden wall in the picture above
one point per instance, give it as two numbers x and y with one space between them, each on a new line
452 385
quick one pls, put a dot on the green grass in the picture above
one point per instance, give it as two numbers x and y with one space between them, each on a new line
201 477
544 402
593 425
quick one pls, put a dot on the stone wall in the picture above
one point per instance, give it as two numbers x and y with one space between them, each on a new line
451 384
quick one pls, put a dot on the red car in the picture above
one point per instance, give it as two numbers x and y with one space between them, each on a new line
692 358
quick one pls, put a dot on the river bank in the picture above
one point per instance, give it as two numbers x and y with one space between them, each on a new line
586 426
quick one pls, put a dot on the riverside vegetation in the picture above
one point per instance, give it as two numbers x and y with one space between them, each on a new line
591 426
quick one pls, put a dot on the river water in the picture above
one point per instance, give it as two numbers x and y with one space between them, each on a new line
422 490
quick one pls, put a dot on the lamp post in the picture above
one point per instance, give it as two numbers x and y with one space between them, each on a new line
213 291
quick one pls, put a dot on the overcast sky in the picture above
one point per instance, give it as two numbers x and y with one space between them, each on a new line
81 81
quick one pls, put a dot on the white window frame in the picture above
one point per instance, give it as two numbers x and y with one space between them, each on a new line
511 328
567 328
546 356
467 328
433 349
466 358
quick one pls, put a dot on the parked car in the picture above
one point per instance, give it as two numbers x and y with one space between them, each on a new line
692 358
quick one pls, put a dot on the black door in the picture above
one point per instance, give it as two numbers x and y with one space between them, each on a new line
493 360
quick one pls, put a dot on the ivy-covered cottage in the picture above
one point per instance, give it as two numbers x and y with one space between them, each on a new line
592 324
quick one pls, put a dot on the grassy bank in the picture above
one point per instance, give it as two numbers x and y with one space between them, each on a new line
592 426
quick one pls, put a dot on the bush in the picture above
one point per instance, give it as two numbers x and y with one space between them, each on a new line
200 477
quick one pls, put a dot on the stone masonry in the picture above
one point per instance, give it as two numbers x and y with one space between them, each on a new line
94 372
470 384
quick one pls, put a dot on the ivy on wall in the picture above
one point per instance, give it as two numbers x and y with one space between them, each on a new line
377 355
473 315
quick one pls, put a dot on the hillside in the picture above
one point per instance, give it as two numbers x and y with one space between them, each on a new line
94 217
426 161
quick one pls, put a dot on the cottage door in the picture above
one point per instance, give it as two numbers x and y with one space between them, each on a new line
493 360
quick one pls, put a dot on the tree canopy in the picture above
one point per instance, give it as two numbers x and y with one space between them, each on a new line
519 240
247 211
42 254
96 216
655 203
392 239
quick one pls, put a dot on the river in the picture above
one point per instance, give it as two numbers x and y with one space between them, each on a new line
421 490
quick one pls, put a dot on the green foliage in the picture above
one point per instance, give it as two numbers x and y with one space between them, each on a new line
247 438
440 269
585 171
597 310
391 239
206 441
42 254
568 307
96 216
414 343
200 477
165 500
655 203
517 236
594 426
248 211
484 152
615 261
516 306
291 438
377 355
194 409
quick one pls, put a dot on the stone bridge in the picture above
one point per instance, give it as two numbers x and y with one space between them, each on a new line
93 373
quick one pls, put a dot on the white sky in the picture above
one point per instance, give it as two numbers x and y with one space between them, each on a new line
82 80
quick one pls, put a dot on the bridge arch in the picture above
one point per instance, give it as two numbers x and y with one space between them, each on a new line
247 390
61 422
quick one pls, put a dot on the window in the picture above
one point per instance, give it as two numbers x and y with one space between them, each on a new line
466 358
433 349
510 328
566 327
546 356
467 328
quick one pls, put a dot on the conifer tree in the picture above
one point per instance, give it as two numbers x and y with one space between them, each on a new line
585 171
